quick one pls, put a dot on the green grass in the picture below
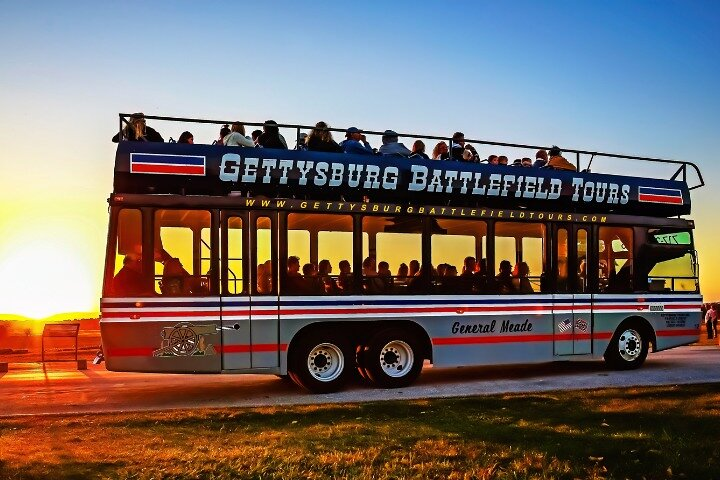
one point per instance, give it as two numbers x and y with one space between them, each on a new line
664 432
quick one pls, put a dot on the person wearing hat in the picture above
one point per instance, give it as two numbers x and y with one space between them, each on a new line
356 143
137 131
541 159
391 145
558 162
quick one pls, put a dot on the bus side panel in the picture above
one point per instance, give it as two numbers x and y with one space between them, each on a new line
146 335
674 318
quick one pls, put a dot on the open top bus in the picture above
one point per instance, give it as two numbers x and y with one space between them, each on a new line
322 265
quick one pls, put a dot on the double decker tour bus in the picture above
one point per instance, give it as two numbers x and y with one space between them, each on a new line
321 265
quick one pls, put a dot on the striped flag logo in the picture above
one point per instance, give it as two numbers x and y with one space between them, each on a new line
167 164
565 325
660 195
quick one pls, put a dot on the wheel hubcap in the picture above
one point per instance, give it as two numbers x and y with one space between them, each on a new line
630 345
326 362
396 358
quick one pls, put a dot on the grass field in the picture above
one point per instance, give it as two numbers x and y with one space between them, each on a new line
663 432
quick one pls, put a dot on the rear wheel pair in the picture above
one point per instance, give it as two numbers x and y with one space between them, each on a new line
322 361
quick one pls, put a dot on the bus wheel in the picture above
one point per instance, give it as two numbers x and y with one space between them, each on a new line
392 358
628 347
319 363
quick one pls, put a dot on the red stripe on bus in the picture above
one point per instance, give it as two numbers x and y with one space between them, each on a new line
690 332
156 313
492 339
159 168
148 351
659 198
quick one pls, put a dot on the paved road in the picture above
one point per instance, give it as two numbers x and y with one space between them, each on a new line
28 389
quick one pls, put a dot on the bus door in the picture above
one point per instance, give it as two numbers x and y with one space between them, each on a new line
264 305
572 302
235 300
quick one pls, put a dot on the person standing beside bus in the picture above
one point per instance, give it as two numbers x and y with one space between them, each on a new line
711 321
236 137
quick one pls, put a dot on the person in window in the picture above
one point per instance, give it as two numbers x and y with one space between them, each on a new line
504 278
271 137
418 150
441 151
414 268
521 282
468 277
392 146
541 159
356 143
457 146
386 275
403 271
137 131
236 137
314 284
176 280
345 279
582 274
329 285
264 278
372 283
558 162
422 282
186 137
294 282
129 281
321 140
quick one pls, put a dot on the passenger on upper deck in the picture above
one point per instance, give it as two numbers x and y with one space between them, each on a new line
457 146
255 135
137 131
502 160
321 140
470 154
492 160
418 150
392 146
271 137
541 159
224 132
526 162
352 143
440 152
558 162
186 137
236 137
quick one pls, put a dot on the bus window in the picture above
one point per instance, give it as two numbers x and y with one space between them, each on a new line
561 284
179 250
263 271
234 282
458 255
615 247
393 264
520 257
127 278
669 259
323 244
582 260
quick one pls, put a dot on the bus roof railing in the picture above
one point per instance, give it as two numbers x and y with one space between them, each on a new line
681 172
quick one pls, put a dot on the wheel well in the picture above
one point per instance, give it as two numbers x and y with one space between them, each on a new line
644 327
360 332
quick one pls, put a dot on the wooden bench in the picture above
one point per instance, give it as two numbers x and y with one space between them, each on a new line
63 330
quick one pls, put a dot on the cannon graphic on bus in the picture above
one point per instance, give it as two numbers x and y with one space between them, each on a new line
184 340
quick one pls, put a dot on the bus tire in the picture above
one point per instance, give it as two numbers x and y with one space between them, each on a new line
628 347
320 362
393 358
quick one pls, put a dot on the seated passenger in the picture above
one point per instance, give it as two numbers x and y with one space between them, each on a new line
352 143
321 140
345 279
385 273
271 137
392 146
504 279
294 282
329 285
470 154
526 162
224 132
301 143
264 278
186 137
521 282
129 281
418 150
450 283
541 159
255 135
457 146
468 279
403 271
492 160
441 151
422 282
236 137
312 281
558 162
137 131
175 279
502 160
372 283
